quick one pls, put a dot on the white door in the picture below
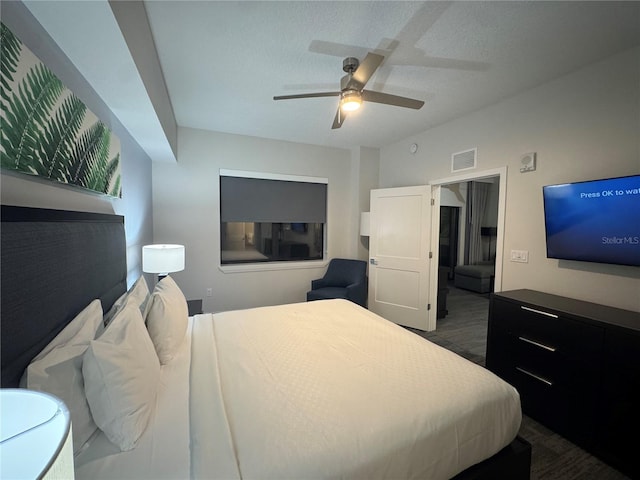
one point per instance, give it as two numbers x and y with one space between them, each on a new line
399 255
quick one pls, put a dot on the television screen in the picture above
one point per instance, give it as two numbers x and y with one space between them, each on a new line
594 221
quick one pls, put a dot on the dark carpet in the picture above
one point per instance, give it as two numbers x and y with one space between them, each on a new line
464 331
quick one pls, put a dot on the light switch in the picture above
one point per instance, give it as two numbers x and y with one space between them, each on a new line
521 256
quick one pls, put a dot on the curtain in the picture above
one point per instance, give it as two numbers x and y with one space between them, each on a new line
476 203
255 200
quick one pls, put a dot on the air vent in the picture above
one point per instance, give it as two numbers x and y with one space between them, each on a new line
464 160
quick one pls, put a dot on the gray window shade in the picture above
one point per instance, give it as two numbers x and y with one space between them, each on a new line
275 201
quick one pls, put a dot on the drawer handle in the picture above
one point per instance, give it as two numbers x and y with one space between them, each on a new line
538 311
537 344
533 375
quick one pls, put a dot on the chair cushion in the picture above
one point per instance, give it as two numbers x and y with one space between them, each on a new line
327 293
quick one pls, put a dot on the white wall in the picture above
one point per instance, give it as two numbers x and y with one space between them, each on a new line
135 204
186 211
365 166
583 126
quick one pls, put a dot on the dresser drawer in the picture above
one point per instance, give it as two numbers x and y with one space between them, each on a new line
560 409
569 372
547 330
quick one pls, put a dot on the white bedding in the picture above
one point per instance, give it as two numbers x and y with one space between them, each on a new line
329 390
322 389
163 449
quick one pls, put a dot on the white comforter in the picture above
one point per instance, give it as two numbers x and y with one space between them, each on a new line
327 389
313 390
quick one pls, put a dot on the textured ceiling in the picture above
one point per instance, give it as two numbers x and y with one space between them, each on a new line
224 61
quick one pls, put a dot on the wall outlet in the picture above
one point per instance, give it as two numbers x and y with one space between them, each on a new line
521 256
209 292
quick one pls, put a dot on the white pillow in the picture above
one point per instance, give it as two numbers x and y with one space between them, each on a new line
108 316
58 370
167 318
137 294
121 374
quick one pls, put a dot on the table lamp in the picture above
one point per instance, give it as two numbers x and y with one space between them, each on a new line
162 259
35 436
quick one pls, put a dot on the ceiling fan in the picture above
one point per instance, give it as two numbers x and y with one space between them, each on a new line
352 92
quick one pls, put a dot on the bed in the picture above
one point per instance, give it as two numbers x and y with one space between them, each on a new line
311 390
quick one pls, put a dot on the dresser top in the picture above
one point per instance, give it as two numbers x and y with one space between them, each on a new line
578 308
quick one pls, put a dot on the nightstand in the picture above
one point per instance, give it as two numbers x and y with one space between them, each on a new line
194 307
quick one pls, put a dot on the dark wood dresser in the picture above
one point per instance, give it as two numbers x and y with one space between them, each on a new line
576 366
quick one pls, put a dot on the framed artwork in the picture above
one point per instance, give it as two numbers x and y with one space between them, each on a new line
46 131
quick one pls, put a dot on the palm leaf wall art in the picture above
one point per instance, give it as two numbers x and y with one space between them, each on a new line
45 130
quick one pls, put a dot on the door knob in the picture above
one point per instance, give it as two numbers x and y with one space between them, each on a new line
373 261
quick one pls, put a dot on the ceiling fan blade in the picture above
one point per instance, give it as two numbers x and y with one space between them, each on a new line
364 72
388 99
337 49
339 119
308 95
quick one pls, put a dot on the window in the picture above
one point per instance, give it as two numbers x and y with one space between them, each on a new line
271 218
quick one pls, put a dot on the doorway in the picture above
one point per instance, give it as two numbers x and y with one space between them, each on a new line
495 243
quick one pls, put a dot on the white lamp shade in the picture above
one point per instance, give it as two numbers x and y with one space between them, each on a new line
162 259
365 219
35 436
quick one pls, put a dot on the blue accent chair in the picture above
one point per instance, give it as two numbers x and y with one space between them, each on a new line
344 279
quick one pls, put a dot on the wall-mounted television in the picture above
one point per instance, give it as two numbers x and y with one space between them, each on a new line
594 221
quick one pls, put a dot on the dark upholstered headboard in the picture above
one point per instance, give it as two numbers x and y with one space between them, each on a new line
54 263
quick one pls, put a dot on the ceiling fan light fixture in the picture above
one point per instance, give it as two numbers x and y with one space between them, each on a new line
350 100
352 91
